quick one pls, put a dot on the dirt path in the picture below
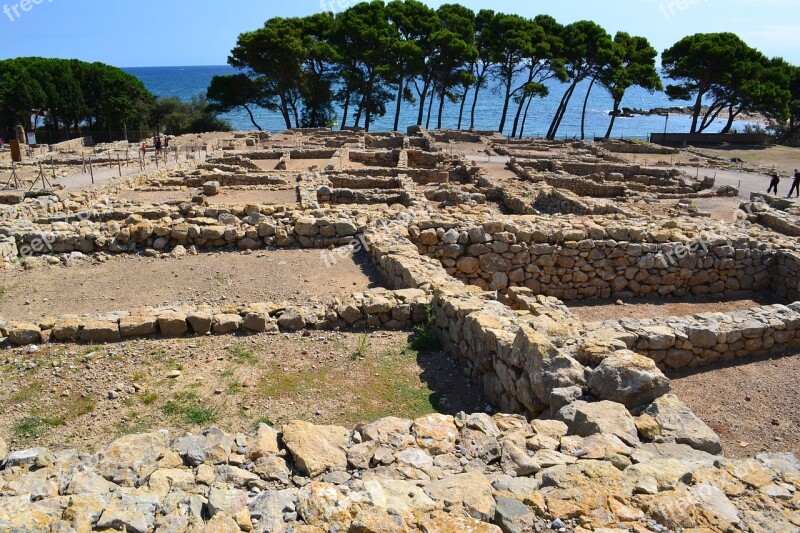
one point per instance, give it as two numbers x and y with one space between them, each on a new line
127 282
226 197
641 308
754 406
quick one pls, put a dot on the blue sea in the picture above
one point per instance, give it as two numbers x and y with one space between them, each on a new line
185 82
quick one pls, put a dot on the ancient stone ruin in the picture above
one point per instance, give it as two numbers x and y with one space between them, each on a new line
583 432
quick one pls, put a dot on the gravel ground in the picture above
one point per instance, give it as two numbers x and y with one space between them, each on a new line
640 308
753 406
129 281
78 396
226 197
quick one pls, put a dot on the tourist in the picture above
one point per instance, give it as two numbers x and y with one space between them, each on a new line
776 179
795 184
157 142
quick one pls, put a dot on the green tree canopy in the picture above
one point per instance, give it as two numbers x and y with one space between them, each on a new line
633 64
70 94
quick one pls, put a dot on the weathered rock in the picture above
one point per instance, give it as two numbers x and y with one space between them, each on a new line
200 322
130 513
374 520
328 506
444 523
136 326
471 491
24 334
316 449
131 457
32 458
225 323
628 378
100 331
172 325
587 419
230 502
263 443
292 319
678 422
398 497
436 433
391 431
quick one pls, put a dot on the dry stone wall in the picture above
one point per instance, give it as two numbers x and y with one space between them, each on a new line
376 308
594 263
709 338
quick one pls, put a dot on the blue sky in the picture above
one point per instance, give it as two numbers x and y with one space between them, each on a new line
202 32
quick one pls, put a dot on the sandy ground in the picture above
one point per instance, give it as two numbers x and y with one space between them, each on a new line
496 169
266 164
126 282
754 406
226 197
232 382
640 308
299 165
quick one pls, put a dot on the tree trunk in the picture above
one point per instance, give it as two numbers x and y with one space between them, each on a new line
525 116
441 109
423 96
710 116
345 110
359 111
430 108
567 98
731 116
399 102
556 117
475 103
698 107
368 107
509 81
613 118
463 105
518 115
585 104
252 118
285 111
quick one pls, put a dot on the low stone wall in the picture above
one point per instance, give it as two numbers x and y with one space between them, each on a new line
376 308
346 181
635 147
312 154
598 263
384 141
587 187
233 160
265 155
702 340
375 159
327 195
164 228
230 180
419 176
786 276
780 222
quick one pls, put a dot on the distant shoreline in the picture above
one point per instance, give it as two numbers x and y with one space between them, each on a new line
628 112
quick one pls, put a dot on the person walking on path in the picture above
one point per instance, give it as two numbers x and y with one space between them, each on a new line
776 179
795 184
